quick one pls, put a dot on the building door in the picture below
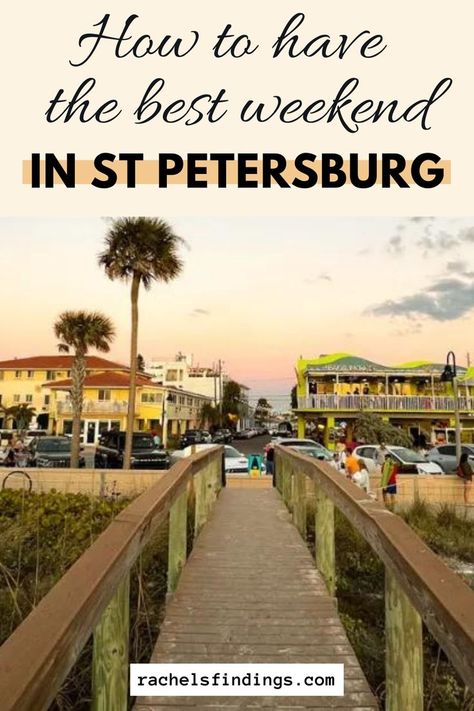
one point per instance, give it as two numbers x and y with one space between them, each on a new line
92 430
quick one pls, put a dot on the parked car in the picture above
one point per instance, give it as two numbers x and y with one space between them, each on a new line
49 451
145 454
206 436
192 437
222 436
33 434
409 461
235 462
243 434
295 442
317 452
445 456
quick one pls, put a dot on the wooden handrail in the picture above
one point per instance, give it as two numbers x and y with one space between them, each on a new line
36 658
442 599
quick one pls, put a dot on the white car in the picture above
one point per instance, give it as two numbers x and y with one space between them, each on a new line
411 462
235 462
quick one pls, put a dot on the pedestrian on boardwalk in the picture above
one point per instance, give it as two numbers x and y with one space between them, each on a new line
465 472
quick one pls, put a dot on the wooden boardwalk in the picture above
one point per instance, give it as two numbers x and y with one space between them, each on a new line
250 593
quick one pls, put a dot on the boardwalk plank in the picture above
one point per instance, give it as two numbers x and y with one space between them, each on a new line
250 593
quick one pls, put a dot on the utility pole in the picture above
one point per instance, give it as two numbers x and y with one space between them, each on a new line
220 393
214 370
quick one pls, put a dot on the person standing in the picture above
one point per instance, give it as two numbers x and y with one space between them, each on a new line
351 463
361 478
465 472
380 457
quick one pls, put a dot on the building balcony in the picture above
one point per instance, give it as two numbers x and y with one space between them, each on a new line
96 407
384 403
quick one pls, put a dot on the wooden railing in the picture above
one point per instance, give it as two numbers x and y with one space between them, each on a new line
92 598
419 587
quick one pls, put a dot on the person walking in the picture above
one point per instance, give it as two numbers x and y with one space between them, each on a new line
465 472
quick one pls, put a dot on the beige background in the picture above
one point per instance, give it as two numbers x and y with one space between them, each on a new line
427 41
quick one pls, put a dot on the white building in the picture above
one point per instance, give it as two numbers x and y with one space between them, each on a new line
183 374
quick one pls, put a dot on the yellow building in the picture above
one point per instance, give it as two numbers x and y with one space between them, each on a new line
168 410
23 380
43 382
333 390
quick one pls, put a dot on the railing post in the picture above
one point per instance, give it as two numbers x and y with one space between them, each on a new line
286 483
404 650
299 502
177 539
324 539
110 653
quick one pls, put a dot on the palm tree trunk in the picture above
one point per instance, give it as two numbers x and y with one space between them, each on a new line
78 374
133 371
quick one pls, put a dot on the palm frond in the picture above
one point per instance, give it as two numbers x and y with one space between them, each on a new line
142 246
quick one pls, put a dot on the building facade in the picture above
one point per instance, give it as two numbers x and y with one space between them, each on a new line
333 390
181 373
44 383
23 381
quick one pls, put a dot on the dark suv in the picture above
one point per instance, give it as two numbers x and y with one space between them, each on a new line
145 454
51 452
192 437
222 436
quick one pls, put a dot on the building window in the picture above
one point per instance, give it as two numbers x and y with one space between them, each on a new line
30 374
190 401
16 398
172 376
151 397
181 400
17 374
28 398
50 375
104 395
46 399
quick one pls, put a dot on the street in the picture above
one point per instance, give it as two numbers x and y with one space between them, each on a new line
251 446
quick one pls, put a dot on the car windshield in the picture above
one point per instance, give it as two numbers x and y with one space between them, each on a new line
407 455
142 442
53 445
316 452
232 452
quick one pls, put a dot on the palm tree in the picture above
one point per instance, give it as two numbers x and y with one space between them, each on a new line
139 250
79 331
22 414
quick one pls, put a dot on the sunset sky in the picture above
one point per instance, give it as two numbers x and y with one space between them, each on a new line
256 293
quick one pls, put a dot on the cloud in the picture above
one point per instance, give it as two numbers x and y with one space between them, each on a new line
321 277
396 245
200 312
445 300
459 267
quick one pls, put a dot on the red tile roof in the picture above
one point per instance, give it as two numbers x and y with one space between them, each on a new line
103 380
58 362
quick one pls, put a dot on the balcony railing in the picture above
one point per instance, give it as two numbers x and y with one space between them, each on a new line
108 407
385 403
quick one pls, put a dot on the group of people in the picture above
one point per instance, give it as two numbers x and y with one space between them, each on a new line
16 452
355 469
